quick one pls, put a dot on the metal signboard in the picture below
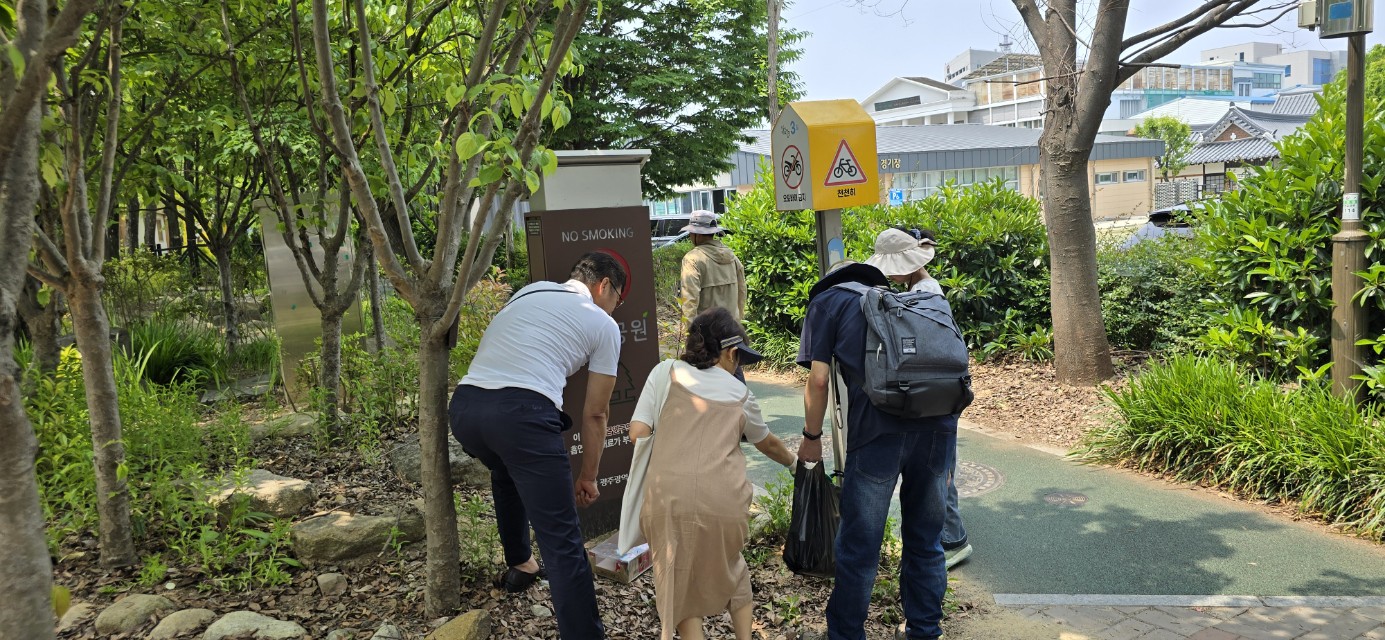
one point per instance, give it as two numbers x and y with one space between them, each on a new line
1342 18
896 197
824 156
297 321
556 239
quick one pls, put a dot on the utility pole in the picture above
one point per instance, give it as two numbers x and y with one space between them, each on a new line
1349 244
1350 19
772 62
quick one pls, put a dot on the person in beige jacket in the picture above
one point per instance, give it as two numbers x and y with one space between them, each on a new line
712 275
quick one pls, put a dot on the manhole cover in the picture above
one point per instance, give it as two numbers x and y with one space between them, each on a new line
974 479
1066 499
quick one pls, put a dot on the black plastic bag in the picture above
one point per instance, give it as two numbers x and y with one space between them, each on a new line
813 525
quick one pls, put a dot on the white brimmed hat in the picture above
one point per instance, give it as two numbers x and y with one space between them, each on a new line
898 253
703 222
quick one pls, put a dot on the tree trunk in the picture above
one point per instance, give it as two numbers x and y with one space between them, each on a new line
772 61
151 222
377 313
228 300
98 373
26 576
330 375
132 226
442 594
43 324
1081 352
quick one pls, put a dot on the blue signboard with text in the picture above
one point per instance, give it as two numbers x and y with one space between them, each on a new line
896 197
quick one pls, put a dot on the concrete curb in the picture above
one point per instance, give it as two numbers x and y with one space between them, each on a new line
1103 600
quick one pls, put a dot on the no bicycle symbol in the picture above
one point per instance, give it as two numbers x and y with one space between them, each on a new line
791 163
844 168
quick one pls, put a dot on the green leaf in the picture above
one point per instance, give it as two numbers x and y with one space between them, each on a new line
561 116
487 175
44 295
531 180
469 144
388 102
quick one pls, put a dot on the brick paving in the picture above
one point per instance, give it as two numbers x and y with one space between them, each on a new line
1201 618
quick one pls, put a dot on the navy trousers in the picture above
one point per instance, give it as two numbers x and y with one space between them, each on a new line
517 434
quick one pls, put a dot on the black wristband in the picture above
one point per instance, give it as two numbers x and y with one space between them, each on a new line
811 436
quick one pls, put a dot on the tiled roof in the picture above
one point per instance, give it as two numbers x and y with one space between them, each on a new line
936 84
1244 150
1007 62
1272 126
1198 113
1299 103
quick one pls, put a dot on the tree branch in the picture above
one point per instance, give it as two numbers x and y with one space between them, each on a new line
1029 11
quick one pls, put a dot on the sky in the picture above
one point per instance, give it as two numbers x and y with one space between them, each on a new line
855 46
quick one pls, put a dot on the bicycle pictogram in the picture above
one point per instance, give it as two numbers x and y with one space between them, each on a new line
844 168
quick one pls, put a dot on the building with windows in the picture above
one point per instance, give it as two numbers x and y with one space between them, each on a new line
1244 138
1307 67
916 161
1008 89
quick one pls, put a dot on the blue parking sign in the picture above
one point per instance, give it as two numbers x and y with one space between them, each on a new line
896 197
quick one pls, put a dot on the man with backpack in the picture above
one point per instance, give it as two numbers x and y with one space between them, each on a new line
902 255
898 354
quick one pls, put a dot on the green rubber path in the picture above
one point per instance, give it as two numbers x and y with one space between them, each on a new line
1132 535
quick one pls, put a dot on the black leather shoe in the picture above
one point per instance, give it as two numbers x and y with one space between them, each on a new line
513 580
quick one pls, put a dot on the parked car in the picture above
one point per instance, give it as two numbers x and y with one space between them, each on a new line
1173 220
667 229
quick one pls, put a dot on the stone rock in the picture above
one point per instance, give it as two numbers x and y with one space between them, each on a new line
267 493
131 613
77 613
472 625
388 632
331 584
466 471
341 536
540 611
245 388
248 624
292 425
342 634
181 624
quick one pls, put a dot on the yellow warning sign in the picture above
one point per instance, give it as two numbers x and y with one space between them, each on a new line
824 156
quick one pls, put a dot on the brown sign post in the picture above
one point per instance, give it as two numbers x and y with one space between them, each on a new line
556 239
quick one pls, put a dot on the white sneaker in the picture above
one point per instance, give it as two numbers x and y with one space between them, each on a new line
957 556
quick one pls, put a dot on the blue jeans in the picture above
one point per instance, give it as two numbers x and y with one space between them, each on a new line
954 534
517 434
922 458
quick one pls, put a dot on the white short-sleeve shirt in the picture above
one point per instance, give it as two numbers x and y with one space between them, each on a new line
545 334
712 383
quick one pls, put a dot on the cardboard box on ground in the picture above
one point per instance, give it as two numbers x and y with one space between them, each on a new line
621 568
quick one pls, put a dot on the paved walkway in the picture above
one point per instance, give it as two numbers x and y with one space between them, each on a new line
1112 554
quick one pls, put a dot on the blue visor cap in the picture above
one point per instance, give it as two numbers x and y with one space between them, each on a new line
747 355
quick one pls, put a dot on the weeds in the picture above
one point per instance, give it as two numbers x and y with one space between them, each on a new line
480 539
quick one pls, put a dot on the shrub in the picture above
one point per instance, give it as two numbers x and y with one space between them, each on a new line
1152 297
992 256
168 459
177 351
668 268
1211 421
1268 242
137 285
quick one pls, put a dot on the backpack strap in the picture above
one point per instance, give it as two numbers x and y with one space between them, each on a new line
526 293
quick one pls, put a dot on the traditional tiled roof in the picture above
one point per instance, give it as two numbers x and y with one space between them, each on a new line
1244 150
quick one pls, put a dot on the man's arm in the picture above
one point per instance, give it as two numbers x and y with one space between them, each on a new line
595 412
814 408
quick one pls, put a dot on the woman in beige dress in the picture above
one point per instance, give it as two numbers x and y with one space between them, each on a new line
697 498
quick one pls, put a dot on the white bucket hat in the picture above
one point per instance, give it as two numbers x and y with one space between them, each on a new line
703 222
899 254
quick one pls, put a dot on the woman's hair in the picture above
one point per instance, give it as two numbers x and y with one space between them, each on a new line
705 334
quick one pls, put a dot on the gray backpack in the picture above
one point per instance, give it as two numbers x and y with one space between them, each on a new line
916 360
